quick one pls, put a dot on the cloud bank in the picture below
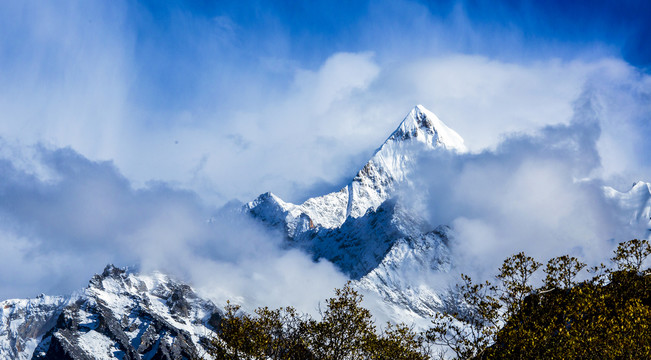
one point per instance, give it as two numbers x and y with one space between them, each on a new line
126 124
64 219
232 100
539 193
537 190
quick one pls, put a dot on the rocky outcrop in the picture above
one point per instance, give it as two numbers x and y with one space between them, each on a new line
120 315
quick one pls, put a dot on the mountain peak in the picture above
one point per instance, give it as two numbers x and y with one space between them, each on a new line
424 126
376 182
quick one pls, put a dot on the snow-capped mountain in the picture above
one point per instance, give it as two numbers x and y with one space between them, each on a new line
363 228
376 182
401 277
24 322
354 218
120 315
365 231
388 250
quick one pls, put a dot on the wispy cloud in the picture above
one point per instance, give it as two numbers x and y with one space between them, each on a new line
226 100
64 222
163 89
534 192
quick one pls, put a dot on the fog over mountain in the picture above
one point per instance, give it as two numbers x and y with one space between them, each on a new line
419 212
144 135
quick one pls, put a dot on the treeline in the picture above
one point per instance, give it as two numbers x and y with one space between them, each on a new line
606 316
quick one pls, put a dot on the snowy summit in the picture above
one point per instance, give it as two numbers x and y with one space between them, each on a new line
376 182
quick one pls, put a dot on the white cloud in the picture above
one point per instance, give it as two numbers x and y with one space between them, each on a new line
77 80
528 194
340 75
255 118
56 233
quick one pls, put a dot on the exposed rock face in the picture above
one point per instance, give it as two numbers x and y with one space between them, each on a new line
23 322
363 228
120 315
360 244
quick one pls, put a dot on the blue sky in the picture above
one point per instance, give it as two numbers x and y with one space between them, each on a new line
190 104
126 80
173 39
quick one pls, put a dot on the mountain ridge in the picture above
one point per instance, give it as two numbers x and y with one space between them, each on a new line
373 184
121 314
364 229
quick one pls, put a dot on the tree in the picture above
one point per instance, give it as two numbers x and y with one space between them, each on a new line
469 329
585 321
271 334
346 331
606 317
562 271
593 319
515 274
399 342
630 255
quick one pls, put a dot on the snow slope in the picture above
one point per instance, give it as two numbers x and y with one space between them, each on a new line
384 247
364 230
23 322
120 315
402 278
376 182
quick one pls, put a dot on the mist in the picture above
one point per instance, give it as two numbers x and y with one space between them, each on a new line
126 126
64 217
230 101
541 192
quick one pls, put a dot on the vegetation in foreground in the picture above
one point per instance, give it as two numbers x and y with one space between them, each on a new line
607 316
